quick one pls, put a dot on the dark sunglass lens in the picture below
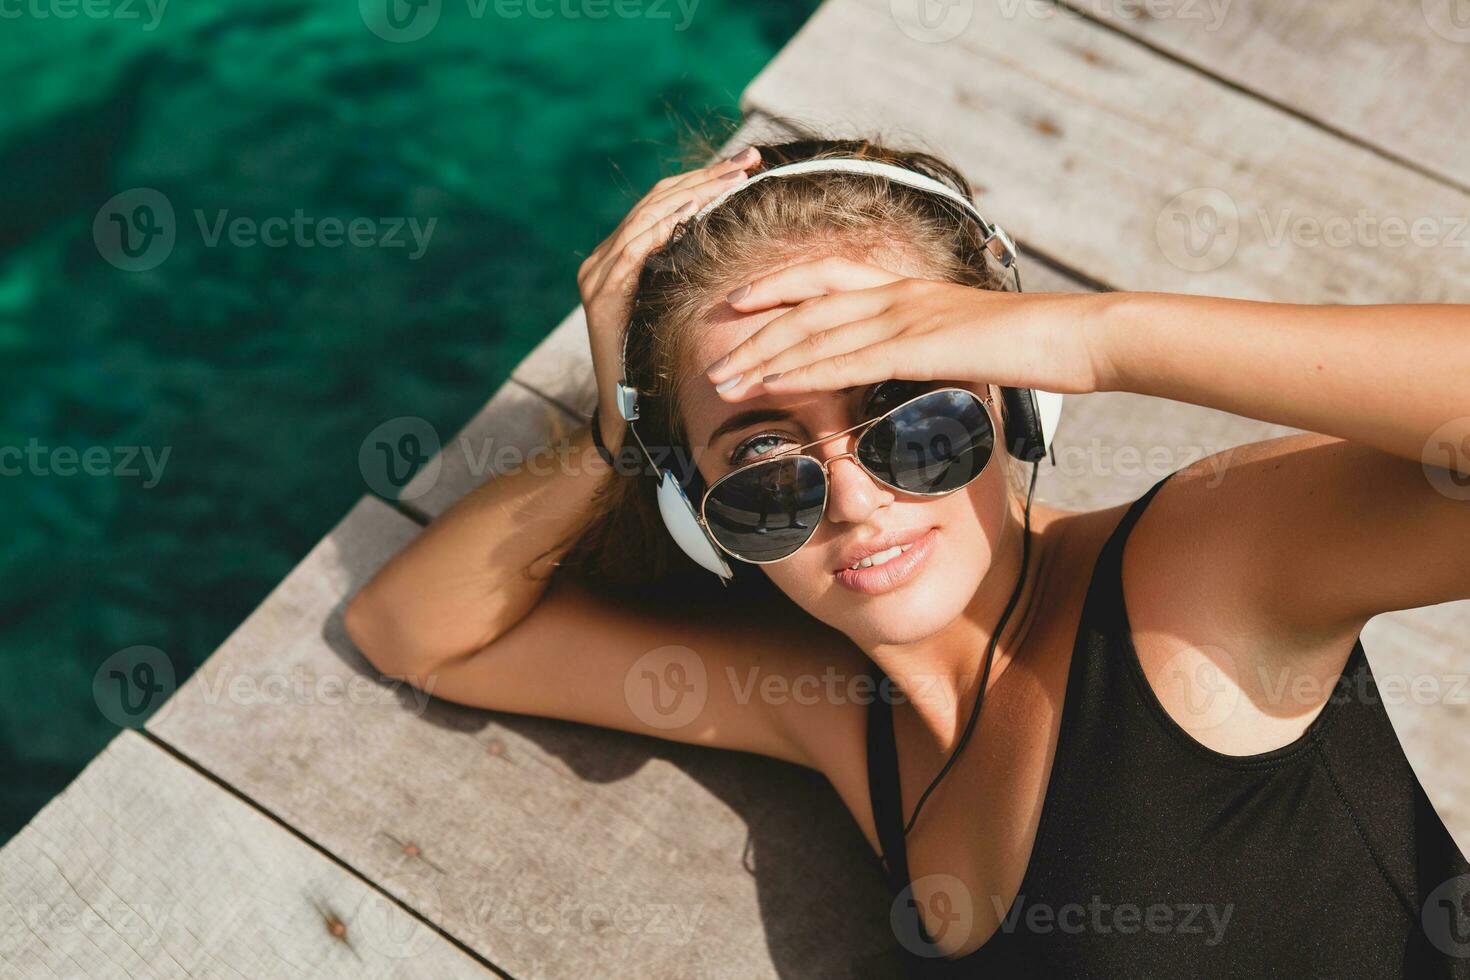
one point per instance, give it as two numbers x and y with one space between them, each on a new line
767 511
935 444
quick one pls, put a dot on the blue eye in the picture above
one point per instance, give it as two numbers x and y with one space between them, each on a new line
745 452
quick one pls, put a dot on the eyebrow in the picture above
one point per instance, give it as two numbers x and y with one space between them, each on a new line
756 416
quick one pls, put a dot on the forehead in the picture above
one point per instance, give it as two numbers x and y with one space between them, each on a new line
723 328
716 336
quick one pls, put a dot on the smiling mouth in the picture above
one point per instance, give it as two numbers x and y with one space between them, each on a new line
880 558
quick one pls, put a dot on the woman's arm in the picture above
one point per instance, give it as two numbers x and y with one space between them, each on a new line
1393 377
474 572
1373 515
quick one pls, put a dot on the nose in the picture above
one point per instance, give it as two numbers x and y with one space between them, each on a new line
852 495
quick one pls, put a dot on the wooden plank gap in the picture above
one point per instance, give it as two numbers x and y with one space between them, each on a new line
574 413
1312 120
276 819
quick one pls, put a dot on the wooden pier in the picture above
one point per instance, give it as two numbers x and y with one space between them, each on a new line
287 813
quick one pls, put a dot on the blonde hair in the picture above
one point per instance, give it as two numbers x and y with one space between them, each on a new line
770 223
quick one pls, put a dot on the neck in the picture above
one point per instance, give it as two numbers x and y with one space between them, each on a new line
940 675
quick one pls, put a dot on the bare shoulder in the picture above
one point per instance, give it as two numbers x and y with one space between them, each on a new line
1197 579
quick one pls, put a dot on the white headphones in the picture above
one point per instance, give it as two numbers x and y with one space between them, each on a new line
1032 416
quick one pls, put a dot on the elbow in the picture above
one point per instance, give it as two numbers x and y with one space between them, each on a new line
374 630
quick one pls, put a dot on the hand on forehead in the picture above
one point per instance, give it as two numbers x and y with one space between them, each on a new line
724 328
703 408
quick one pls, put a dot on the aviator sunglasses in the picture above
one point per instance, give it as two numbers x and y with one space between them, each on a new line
930 445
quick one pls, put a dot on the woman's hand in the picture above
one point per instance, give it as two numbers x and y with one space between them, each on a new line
857 324
608 277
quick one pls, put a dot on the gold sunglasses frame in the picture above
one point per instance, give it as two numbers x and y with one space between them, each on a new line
987 402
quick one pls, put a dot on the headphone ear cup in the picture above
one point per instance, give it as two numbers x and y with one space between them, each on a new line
1026 437
684 527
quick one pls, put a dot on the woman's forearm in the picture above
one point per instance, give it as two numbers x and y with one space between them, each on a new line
481 566
1392 377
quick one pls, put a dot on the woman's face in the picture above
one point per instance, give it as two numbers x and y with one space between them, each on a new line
952 534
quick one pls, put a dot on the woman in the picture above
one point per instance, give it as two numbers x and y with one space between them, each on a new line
1201 781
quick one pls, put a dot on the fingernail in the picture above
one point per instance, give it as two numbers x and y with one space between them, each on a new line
739 154
771 377
738 294
714 368
728 383
733 175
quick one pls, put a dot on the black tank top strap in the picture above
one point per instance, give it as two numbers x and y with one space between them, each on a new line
883 787
1113 548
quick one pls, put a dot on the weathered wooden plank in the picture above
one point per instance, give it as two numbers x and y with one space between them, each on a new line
551 849
501 437
1117 162
1328 61
144 868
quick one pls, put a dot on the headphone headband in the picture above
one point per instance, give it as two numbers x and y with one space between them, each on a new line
997 242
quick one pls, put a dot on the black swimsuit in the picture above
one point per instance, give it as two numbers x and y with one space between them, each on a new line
1158 857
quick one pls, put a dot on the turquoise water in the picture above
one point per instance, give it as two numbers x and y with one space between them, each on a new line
182 411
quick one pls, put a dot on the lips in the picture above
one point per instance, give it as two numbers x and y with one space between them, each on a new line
882 542
892 574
